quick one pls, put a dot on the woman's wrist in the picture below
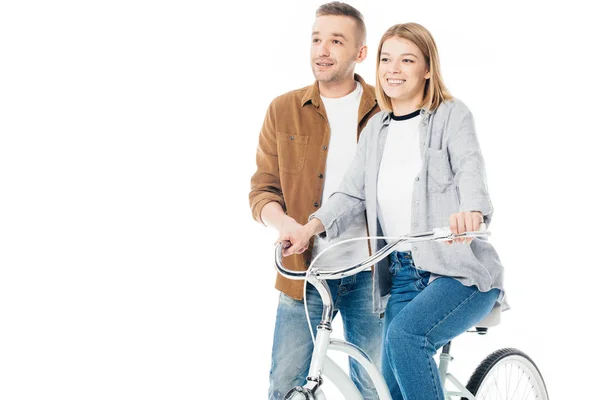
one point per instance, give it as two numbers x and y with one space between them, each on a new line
315 226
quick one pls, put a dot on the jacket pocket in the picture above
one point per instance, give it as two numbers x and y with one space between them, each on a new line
292 151
439 172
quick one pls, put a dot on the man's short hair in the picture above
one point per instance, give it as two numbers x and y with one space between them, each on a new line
346 10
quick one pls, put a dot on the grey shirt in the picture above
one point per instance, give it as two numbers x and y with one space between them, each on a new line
452 179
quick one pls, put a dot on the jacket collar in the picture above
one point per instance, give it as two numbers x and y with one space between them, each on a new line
367 101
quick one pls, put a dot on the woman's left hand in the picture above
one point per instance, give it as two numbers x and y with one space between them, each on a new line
466 221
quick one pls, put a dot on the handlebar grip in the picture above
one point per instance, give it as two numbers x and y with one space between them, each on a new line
288 273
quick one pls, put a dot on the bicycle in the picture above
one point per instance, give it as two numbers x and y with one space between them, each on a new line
507 373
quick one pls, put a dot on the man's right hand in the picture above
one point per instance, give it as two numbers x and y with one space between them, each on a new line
289 230
297 237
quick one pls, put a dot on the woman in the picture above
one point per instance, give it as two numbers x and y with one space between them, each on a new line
418 166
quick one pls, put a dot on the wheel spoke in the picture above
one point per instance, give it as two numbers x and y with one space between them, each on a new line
518 382
508 374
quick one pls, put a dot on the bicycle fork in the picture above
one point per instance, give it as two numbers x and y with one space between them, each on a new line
314 380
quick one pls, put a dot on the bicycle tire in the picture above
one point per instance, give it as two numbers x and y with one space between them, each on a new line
516 364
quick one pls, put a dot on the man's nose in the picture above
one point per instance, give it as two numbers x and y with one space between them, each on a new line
323 50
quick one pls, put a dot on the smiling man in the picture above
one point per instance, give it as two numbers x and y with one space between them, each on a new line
307 141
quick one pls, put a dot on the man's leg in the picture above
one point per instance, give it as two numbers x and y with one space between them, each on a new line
292 343
362 327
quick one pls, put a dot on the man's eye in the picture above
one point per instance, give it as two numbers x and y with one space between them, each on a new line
315 40
337 42
407 60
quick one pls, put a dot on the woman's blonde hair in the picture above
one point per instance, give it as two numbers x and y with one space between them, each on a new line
435 92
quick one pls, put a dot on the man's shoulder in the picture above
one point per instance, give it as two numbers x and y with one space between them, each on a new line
375 123
368 88
291 98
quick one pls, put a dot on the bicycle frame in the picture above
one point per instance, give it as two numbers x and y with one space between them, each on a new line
323 365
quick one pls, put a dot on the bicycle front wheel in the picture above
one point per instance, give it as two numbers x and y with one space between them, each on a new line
507 374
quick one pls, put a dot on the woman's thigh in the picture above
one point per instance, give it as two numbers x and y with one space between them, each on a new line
443 310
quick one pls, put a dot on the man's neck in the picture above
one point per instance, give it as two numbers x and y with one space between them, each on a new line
335 90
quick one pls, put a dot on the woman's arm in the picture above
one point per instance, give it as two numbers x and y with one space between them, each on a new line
348 202
468 167
344 205
467 163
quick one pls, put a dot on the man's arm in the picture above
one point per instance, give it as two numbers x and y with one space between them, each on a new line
265 183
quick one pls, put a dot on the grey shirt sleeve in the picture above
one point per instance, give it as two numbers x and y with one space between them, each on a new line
467 163
345 204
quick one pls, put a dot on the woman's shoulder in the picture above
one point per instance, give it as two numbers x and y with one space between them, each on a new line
375 123
452 108
379 118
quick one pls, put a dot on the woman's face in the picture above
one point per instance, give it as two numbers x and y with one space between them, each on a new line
402 71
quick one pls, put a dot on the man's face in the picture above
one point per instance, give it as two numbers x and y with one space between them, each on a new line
334 49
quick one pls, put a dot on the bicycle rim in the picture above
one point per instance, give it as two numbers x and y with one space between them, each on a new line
512 377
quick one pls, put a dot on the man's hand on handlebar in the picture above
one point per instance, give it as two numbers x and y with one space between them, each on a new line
298 239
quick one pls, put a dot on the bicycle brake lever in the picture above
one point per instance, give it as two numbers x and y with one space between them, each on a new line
442 233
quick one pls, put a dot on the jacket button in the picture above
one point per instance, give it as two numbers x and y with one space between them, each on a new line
417 202
321 176
307 263
324 147
316 204
415 225
414 248
417 179
291 138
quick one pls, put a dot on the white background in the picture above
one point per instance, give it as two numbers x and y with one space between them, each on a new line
130 266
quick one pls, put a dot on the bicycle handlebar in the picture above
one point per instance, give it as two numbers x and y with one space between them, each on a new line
438 234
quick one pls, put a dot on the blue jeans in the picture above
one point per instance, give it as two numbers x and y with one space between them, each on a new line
420 318
293 346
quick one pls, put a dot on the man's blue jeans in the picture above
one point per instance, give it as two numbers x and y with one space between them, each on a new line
293 346
420 318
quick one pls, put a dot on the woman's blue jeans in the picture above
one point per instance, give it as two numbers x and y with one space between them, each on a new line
421 317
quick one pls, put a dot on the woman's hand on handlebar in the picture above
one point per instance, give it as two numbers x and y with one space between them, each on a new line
466 221
299 239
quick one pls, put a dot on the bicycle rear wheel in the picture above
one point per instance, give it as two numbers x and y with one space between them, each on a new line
507 374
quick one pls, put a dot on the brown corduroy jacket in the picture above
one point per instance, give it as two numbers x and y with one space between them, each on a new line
291 156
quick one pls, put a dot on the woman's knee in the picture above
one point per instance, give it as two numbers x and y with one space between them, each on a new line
400 341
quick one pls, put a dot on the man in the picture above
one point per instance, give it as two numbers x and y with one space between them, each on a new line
306 144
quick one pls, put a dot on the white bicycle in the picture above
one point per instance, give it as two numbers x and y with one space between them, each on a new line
506 374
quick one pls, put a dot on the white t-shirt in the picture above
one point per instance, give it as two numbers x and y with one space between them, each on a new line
342 114
400 164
